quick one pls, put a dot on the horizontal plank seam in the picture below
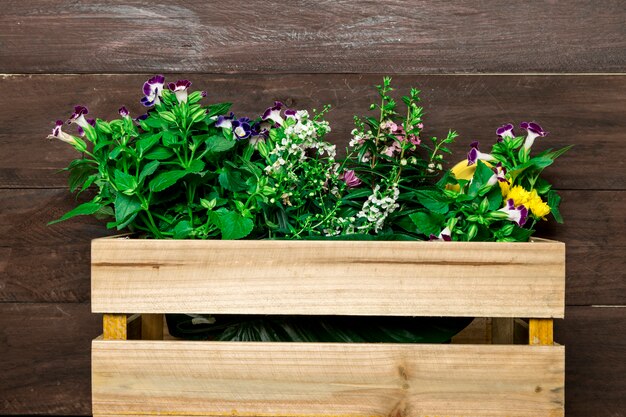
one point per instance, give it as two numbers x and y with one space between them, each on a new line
426 74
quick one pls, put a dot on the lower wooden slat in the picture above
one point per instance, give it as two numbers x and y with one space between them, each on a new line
281 379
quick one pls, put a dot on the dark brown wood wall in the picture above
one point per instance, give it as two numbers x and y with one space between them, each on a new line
479 64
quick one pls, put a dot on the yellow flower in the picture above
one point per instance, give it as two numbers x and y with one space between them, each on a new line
519 195
504 187
539 207
529 199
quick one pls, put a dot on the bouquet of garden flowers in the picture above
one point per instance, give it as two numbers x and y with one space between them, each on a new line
186 170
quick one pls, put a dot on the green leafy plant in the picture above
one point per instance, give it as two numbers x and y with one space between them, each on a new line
185 170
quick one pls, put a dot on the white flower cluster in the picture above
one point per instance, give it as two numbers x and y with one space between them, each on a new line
377 207
300 136
359 138
339 225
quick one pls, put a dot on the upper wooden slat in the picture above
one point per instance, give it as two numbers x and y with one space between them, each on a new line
333 277
63 36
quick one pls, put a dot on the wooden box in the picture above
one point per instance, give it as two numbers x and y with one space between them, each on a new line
134 282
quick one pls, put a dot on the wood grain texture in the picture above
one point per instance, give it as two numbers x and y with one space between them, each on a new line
582 110
457 279
541 332
114 327
40 262
44 351
51 263
333 379
594 363
303 36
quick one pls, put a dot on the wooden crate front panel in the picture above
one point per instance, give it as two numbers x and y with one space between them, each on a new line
314 277
279 379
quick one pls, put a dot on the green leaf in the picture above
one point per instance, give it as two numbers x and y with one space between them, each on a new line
521 234
170 139
84 209
219 108
554 201
234 225
148 169
182 230
195 166
231 180
218 143
146 143
428 223
124 182
100 145
116 152
434 201
79 173
542 186
166 179
155 122
540 162
159 153
555 154
126 209
495 198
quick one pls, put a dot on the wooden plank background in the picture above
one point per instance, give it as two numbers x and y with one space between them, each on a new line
479 64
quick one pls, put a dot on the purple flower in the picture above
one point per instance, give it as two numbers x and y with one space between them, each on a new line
505 131
444 236
81 131
152 90
203 93
241 128
534 131
58 133
291 113
474 154
498 176
124 112
517 214
259 132
180 89
78 116
225 122
350 178
273 113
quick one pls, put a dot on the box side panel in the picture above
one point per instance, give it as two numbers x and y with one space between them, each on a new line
345 278
277 379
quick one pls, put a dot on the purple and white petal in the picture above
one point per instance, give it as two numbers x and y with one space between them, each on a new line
241 130
225 122
180 89
505 131
273 113
81 131
291 114
517 214
533 131
78 116
444 236
124 112
152 90
474 154
58 133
